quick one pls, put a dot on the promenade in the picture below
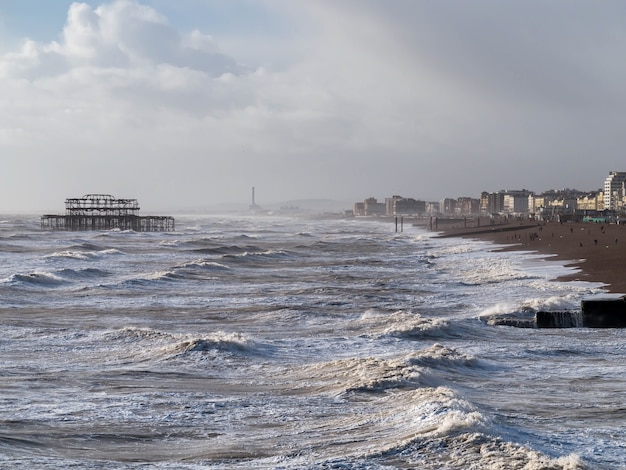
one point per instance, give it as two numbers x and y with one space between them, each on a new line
597 250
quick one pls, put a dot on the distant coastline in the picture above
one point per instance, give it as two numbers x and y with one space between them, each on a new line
597 250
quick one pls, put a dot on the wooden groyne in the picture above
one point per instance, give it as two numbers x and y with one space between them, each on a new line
104 212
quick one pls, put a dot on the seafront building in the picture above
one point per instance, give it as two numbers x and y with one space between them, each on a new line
614 190
370 207
398 205
562 204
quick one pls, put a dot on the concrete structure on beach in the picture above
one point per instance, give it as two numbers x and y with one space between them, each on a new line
104 212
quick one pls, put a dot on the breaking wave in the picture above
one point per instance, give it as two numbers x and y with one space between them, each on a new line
36 279
151 344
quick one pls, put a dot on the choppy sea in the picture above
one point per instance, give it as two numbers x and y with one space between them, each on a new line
270 342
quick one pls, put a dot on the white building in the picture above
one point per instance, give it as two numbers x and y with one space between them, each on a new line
516 202
614 190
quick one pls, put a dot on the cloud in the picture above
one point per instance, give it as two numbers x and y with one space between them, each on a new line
351 98
117 57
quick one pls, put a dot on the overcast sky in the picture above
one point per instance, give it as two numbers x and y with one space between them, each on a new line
190 103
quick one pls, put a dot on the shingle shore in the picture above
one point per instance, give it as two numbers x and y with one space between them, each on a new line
597 250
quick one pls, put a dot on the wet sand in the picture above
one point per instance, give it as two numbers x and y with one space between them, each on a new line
597 250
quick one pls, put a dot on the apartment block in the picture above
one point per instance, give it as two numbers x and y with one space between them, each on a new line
369 207
614 190
398 205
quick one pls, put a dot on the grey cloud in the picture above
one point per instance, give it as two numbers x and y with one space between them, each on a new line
545 52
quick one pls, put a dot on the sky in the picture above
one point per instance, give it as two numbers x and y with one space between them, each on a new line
189 104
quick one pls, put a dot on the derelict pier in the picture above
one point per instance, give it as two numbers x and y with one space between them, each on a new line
104 212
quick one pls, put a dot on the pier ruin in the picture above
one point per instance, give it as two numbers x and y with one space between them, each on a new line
104 212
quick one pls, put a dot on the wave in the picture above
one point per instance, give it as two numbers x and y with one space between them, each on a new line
55 279
36 279
488 272
203 265
441 357
88 273
11 248
415 419
86 246
466 448
150 344
250 257
228 250
79 255
361 375
85 255
153 279
132 334
234 343
403 324
174 243
523 314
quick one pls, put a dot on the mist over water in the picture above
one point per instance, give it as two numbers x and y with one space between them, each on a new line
267 342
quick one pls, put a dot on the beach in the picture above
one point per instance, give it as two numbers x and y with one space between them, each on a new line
597 250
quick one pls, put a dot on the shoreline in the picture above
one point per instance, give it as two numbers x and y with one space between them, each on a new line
598 251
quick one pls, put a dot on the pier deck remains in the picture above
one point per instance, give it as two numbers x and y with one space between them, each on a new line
104 212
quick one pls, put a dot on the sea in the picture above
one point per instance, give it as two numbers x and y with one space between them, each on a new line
276 342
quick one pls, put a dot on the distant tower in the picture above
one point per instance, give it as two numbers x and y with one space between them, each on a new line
253 206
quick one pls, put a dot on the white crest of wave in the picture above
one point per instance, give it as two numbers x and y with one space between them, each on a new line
134 334
41 278
400 323
487 270
80 255
440 356
233 342
565 302
202 264
111 251
170 243
477 450
159 276
354 375
500 309
528 307
439 412
149 344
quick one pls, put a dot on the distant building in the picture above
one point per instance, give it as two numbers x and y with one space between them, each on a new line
614 190
554 204
484 203
369 207
398 205
593 201
447 206
359 208
433 208
467 206
495 203
516 201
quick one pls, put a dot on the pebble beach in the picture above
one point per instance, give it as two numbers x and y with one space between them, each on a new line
597 250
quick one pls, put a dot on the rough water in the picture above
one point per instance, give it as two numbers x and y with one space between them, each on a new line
268 342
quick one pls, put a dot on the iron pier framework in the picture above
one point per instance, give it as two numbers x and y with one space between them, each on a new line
104 212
